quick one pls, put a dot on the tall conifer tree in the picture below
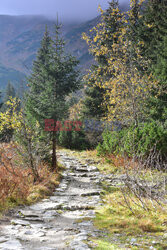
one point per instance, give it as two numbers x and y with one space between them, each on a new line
153 35
54 77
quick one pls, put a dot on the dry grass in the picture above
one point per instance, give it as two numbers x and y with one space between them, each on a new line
143 226
17 183
117 218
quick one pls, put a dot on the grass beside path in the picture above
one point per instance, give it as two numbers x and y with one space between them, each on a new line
124 229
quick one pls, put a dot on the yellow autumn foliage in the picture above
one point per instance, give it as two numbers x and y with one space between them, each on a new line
126 88
11 119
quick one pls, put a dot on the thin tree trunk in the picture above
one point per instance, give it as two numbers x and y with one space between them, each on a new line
33 168
30 155
54 155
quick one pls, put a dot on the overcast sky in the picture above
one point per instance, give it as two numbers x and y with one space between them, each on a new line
67 9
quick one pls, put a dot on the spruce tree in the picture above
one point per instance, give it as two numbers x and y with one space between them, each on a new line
152 34
63 81
92 103
152 29
9 93
39 78
158 101
54 77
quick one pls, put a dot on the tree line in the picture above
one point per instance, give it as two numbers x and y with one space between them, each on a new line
130 51
126 85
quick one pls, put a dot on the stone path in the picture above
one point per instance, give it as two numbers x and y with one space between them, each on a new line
63 221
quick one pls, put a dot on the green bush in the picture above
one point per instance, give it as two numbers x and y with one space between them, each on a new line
135 141
111 143
141 140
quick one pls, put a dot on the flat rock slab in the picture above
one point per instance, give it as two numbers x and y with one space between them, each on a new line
12 244
91 193
29 213
20 222
44 206
3 239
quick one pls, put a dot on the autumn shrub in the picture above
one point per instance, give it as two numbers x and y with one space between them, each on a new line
14 181
17 180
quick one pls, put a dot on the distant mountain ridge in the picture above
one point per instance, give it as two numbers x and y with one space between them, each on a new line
20 38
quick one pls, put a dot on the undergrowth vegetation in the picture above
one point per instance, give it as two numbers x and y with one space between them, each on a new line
126 89
17 182
135 230
131 216
117 218
137 141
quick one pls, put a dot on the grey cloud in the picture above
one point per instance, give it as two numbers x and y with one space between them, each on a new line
67 9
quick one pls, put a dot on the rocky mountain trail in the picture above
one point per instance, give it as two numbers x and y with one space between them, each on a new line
62 221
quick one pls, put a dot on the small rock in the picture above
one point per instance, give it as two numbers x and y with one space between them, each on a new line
20 222
29 233
133 240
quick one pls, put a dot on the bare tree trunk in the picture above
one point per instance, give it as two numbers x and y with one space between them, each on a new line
54 155
31 159
33 168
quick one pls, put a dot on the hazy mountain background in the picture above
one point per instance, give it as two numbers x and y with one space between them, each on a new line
20 38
